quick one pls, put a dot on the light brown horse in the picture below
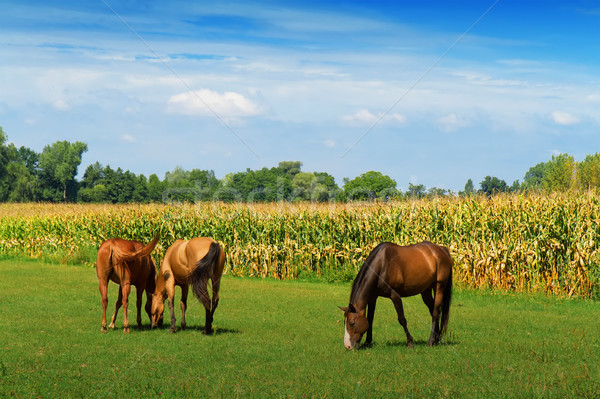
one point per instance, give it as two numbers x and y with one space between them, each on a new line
189 262
126 263
393 271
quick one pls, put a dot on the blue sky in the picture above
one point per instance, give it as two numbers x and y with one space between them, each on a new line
429 92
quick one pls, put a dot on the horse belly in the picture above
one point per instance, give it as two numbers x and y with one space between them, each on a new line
412 281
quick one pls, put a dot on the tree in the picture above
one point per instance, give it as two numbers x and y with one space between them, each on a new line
469 188
588 172
515 187
416 190
370 185
492 185
303 185
534 176
156 188
58 167
560 173
290 168
437 192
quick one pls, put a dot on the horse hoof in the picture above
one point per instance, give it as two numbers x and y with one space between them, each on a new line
172 330
126 330
103 329
207 332
410 345
111 326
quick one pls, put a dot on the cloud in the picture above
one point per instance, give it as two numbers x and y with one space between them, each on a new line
206 102
329 143
128 138
366 117
61 105
452 122
564 118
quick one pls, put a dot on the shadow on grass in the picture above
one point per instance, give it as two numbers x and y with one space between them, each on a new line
418 343
200 328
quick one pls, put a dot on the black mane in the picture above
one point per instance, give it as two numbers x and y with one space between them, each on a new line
358 281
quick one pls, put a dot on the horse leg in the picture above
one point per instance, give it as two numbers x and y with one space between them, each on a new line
215 297
370 317
148 306
209 313
138 304
117 307
184 295
171 295
103 285
126 288
427 297
400 311
434 337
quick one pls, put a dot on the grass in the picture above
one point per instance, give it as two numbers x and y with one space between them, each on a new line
285 339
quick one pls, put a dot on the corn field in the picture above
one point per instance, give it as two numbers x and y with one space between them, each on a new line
525 243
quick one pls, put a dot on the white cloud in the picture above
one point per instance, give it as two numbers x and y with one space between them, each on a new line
329 143
207 103
129 138
366 117
452 122
61 105
593 98
564 118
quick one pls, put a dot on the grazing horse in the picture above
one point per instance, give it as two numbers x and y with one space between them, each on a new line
189 262
126 263
394 271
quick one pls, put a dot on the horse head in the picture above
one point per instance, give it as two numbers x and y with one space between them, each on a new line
158 309
355 325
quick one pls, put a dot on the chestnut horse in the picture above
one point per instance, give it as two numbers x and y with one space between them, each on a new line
189 262
126 263
394 271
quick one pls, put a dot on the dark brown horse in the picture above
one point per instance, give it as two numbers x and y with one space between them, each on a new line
189 262
392 271
126 263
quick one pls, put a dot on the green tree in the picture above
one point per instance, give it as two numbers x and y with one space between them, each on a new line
437 192
156 188
588 172
370 185
58 168
492 185
290 168
534 177
560 173
416 190
469 188
303 185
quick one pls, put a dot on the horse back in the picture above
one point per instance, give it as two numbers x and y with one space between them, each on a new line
413 268
108 266
183 256
197 248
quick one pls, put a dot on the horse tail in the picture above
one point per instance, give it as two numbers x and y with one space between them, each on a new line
203 271
446 300
140 253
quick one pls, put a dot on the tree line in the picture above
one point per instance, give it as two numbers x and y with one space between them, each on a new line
28 176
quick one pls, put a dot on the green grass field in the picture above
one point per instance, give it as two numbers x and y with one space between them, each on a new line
285 339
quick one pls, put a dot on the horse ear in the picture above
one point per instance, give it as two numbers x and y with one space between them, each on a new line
343 309
352 308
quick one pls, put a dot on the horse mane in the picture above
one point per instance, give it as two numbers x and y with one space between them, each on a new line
358 281
204 270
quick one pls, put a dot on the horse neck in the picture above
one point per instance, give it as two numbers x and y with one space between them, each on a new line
363 287
161 287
